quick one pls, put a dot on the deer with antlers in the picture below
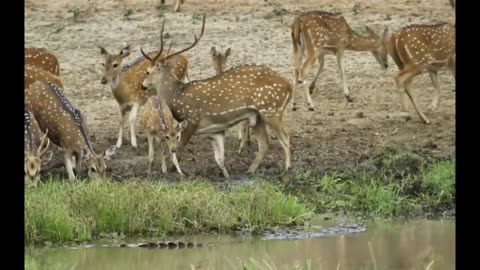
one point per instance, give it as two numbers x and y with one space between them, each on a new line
34 73
126 84
35 149
66 129
43 59
419 48
158 122
219 63
318 33
213 105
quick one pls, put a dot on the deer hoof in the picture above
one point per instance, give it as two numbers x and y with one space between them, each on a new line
349 98
311 109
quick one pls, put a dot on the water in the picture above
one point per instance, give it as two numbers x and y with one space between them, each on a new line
395 245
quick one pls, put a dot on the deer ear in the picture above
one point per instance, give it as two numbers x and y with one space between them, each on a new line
125 51
227 52
102 50
182 125
47 157
213 51
110 152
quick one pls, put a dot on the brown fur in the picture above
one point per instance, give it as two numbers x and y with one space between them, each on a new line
417 48
65 127
34 73
316 33
128 91
43 59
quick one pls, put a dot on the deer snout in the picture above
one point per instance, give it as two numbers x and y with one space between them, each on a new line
386 66
103 80
144 87
173 150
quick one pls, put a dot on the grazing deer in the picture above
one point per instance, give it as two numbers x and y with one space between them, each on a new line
158 122
35 149
43 59
126 85
213 105
219 63
34 73
417 48
318 33
66 129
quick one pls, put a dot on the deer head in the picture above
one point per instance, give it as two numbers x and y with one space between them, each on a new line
34 160
219 59
96 164
173 135
161 69
380 52
112 65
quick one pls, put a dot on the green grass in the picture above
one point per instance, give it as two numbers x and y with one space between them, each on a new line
406 191
62 211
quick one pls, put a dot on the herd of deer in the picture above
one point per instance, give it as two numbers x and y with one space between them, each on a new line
171 109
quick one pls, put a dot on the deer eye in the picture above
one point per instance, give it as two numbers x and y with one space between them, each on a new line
167 137
92 169
103 64
148 73
115 65
178 137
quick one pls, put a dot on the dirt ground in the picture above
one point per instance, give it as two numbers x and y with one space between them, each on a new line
331 137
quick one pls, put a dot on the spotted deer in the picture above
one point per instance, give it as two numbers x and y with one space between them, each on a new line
66 129
35 149
126 85
318 33
34 73
219 63
156 119
213 105
43 59
419 48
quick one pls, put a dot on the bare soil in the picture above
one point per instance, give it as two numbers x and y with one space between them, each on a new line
335 136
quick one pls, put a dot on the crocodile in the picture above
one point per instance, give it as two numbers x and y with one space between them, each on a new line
161 244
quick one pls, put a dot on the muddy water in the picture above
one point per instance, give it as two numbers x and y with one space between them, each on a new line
395 245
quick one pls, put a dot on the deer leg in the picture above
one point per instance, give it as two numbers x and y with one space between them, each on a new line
260 130
297 62
434 77
451 66
177 5
78 166
133 119
187 134
162 157
346 92
321 61
68 165
404 82
277 127
311 58
123 111
218 148
175 162
151 153
243 135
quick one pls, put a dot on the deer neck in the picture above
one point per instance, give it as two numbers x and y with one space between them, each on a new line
361 43
170 89
117 82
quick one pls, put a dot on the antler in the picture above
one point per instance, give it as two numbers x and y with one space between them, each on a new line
161 46
191 46
41 150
